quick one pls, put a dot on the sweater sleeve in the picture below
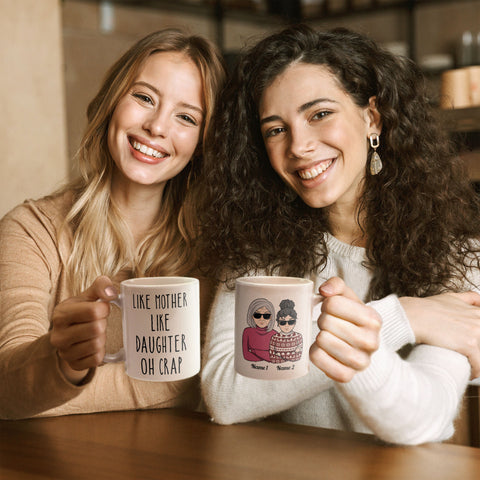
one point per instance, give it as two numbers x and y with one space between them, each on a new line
410 401
413 400
233 398
31 380
396 330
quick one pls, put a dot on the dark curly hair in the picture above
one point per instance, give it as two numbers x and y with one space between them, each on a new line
420 212
287 307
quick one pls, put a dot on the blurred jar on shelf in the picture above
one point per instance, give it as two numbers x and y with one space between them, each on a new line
461 88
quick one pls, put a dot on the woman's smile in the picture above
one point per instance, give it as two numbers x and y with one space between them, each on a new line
140 147
313 172
147 154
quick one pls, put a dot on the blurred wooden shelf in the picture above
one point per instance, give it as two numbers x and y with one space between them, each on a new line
463 119
472 161
320 10
464 124
281 12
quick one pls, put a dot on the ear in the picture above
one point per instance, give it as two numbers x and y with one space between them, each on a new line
374 119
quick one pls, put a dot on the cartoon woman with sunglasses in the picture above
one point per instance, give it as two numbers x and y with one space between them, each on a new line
286 345
256 337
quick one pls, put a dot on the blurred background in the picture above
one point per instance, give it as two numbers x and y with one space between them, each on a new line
54 54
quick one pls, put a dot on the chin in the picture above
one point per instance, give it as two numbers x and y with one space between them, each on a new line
314 203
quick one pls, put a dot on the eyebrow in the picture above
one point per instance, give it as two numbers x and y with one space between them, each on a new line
157 92
300 109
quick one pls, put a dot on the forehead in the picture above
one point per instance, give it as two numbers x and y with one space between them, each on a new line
172 69
299 83
160 58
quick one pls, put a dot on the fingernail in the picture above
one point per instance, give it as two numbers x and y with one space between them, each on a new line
110 292
326 288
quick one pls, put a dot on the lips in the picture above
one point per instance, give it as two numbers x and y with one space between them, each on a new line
146 150
315 171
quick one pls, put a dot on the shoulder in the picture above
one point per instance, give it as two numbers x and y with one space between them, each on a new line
37 225
48 212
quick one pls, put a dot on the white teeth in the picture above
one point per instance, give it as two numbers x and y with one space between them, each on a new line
314 172
147 150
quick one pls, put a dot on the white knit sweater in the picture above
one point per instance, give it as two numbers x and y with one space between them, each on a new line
402 401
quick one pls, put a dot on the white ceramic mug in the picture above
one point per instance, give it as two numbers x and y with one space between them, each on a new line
161 328
273 321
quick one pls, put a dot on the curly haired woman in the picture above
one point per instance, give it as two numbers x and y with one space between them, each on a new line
63 256
328 137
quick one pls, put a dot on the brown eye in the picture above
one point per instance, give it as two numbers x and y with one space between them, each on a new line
188 118
144 98
321 114
274 132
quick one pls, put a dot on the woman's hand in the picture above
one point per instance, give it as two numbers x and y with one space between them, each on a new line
448 320
78 329
349 332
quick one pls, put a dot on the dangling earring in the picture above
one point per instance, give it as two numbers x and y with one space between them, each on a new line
375 162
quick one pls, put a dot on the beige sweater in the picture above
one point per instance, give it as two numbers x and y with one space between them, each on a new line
32 283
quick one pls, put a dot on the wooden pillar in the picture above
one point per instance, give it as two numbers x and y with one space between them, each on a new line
32 113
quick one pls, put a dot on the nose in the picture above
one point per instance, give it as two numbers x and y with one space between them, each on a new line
157 123
301 141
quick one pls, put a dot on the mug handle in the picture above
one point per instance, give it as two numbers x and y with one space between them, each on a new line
317 300
120 355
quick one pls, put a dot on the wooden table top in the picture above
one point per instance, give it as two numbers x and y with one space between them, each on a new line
174 445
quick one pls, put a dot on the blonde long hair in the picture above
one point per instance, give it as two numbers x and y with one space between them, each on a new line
102 243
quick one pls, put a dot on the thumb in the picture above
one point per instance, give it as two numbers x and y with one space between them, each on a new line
101 289
336 286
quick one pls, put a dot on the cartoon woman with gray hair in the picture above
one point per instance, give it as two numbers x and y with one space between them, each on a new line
256 337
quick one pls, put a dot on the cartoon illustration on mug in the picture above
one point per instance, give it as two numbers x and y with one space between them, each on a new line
256 337
286 345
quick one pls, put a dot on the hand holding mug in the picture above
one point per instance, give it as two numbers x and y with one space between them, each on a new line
160 321
349 332
78 329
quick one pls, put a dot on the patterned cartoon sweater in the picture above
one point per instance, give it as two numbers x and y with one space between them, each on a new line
286 347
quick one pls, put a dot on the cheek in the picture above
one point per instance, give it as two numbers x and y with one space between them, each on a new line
276 156
115 126
187 141
353 138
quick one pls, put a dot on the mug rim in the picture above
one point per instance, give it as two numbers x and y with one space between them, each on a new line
273 281
152 282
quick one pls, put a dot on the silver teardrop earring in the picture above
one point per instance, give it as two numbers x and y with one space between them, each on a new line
375 162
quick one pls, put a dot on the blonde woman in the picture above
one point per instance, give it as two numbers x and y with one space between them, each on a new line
127 215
